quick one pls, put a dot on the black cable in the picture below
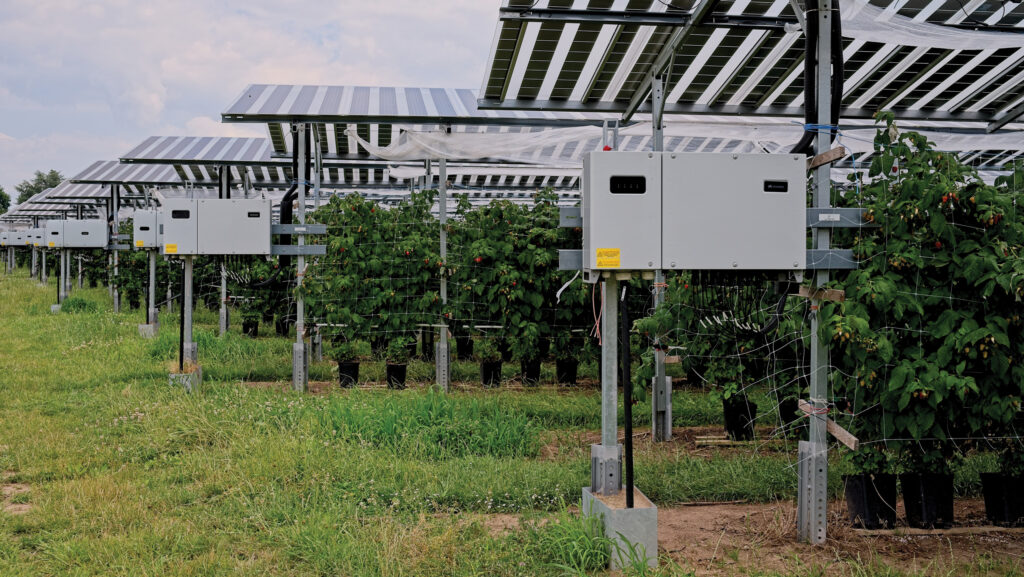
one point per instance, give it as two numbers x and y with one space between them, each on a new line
627 393
181 330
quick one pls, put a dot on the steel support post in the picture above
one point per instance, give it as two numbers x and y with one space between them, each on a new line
606 458
441 355
152 310
224 191
189 350
813 463
300 365
67 275
43 277
115 195
661 390
79 259
35 264
60 278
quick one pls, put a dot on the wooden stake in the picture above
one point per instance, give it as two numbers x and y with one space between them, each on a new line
841 434
826 158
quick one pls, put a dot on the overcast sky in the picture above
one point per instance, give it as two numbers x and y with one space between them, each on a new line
83 81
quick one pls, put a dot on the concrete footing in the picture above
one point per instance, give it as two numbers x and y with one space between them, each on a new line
148 331
634 532
189 382
54 309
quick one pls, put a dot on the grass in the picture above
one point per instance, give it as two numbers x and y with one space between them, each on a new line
131 477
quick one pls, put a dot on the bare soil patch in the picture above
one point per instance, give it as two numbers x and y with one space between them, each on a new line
730 539
9 491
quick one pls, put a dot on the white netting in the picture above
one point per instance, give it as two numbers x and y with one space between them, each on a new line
868 23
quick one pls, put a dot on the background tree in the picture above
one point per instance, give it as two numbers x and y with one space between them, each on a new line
5 201
40 182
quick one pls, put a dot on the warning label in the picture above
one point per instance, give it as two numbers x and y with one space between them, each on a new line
171 248
608 258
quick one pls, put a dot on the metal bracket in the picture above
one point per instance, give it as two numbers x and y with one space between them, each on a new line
296 250
119 247
830 259
570 216
298 229
570 259
837 218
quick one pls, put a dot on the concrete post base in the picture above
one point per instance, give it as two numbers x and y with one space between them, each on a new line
148 331
634 532
54 309
189 382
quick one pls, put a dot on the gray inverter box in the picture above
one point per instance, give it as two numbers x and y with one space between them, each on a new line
726 211
4 238
234 226
36 237
181 226
54 233
86 233
621 209
216 226
146 228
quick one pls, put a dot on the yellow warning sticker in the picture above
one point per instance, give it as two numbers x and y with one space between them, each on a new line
608 258
171 248
138 243
53 244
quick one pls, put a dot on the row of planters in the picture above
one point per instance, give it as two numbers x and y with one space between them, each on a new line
380 283
929 341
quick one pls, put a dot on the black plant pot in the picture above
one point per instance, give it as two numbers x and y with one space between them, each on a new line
251 327
928 498
348 373
566 371
1004 500
412 348
740 413
395 375
871 500
490 373
505 350
464 347
530 370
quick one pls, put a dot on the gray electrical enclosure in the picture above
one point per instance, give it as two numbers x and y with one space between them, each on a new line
216 226
85 233
35 236
646 211
621 197
146 228
54 233
4 238
734 211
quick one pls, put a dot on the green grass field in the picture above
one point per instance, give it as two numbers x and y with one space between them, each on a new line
124 475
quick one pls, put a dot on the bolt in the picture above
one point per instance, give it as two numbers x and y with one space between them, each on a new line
650 263
734 264
673 264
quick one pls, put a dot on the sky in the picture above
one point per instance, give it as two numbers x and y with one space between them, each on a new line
82 81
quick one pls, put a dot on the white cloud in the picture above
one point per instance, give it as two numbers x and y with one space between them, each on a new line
87 81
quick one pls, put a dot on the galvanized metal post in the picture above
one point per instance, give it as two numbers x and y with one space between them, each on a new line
813 462
299 363
67 275
441 355
43 277
79 259
224 192
152 310
318 167
189 349
115 196
606 458
661 390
